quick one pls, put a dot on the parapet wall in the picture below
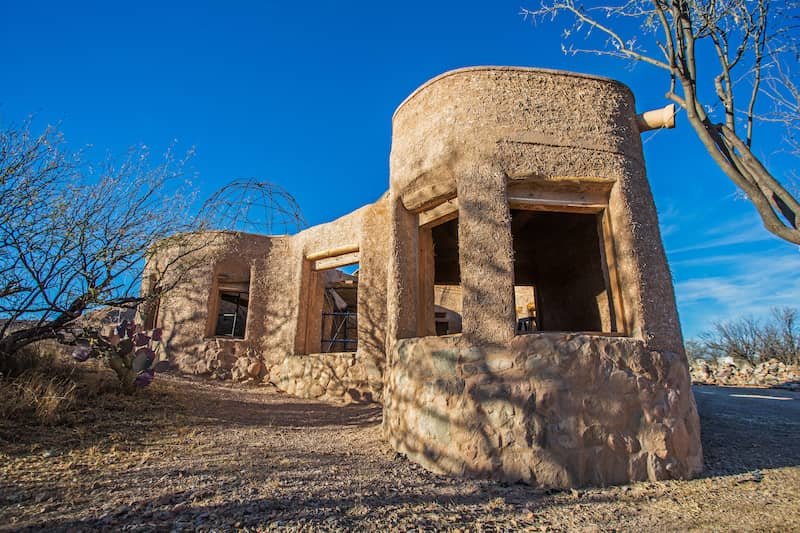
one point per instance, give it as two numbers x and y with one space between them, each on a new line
556 410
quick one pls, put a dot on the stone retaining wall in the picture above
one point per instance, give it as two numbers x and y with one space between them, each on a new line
336 377
771 373
553 409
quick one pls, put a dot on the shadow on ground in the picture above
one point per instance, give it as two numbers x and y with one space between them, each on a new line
745 429
243 457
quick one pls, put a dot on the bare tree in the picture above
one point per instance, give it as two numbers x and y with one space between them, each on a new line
781 339
752 340
754 44
75 236
741 339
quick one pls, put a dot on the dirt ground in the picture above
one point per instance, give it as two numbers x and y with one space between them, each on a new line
192 455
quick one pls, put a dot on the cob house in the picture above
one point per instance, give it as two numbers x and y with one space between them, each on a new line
512 309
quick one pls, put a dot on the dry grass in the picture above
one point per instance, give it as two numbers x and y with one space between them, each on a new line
36 387
186 454
39 385
35 395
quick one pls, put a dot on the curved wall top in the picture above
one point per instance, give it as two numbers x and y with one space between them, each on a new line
498 116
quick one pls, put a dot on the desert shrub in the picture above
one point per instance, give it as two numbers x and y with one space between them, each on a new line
36 396
752 340
34 387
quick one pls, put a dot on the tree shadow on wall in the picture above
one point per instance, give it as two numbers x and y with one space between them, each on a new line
579 455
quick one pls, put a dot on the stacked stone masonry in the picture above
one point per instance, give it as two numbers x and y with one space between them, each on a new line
330 376
770 373
551 409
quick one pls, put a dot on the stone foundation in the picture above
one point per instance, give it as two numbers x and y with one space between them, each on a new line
552 409
338 377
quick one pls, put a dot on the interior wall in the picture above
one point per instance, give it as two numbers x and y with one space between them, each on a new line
559 254
447 270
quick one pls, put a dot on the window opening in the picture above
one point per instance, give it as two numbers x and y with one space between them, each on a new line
151 312
525 307
560 281
232 311
340 310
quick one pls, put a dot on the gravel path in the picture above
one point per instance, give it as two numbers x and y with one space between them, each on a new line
192 455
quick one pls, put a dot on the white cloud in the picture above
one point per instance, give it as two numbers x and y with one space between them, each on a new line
740 232
737 285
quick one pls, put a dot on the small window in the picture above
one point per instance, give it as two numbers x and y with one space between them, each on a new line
525 304
232 313
151 309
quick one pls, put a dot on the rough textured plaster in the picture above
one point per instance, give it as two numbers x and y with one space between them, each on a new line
555 409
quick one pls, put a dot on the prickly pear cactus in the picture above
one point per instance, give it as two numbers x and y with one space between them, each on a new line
129 350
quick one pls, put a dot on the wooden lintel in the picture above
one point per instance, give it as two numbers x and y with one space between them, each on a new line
336 261
425 198
331 252
539 204
440 214
588 201
579 183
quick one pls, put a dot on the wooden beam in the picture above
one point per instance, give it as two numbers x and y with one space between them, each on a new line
610 255
426 324
440 214
336 261
555 207
331 252
423 198
523 180
608 299
563 201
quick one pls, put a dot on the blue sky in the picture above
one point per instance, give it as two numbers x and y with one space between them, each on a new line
302 94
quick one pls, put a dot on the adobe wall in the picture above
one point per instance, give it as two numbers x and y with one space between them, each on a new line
281 284
339 377
474 132
556 409
185 311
